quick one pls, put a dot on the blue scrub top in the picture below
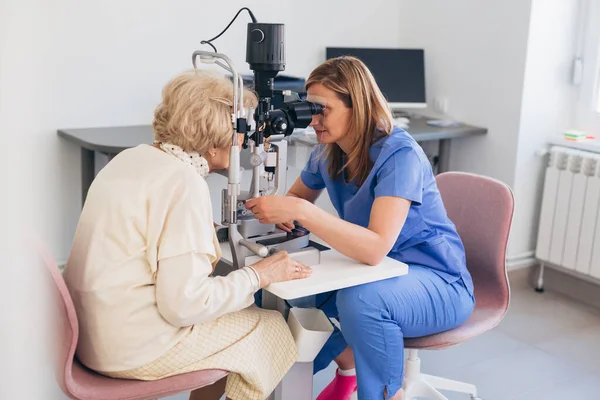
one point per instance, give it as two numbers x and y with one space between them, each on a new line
401 169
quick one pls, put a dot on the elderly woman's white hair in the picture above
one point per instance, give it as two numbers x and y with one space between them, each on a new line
195 112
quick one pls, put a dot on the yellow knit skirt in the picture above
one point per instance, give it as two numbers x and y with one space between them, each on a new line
255 345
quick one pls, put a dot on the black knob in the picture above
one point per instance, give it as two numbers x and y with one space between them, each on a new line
257 36
281 126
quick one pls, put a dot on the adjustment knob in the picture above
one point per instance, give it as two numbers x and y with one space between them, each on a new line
257 159
281 126
257 36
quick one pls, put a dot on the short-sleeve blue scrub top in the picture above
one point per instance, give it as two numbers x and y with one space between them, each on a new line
401 169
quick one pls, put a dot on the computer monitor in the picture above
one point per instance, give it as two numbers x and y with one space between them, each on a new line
400 73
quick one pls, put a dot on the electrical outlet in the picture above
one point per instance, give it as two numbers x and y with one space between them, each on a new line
440 104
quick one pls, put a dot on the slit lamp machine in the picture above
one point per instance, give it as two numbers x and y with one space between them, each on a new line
248 239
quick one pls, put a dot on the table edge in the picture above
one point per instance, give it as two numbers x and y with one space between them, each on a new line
296 294
66 133
438 133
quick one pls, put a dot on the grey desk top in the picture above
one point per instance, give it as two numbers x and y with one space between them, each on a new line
112 140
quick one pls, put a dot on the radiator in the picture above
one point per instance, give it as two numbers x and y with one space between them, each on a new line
569 231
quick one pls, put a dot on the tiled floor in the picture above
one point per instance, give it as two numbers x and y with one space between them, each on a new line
547 348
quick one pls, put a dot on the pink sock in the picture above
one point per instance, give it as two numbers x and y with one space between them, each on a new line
340 388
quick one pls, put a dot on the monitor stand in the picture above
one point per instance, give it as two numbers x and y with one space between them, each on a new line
401 113
398 113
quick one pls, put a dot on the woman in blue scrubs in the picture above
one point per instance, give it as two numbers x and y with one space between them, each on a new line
383 188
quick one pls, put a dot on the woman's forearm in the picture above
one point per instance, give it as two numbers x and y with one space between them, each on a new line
352 240
292 194
300 190
187 294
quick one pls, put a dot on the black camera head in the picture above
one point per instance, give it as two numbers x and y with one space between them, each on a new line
265 53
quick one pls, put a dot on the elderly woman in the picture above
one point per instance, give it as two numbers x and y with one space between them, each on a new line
141 266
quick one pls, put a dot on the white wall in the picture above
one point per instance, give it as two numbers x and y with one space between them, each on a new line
26 334
547 108
505 66
83 64
69 63
475 57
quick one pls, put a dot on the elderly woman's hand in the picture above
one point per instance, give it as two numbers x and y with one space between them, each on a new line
280 268
275 209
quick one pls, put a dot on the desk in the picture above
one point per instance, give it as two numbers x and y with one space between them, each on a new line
335 272
113 140
423 132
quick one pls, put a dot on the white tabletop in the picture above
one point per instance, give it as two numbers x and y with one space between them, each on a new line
336 271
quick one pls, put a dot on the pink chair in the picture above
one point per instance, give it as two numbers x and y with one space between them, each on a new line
482 210
80 383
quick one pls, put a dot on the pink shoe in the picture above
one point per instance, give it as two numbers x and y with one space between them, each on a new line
340 388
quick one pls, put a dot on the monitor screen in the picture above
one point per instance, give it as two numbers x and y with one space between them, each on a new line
400 73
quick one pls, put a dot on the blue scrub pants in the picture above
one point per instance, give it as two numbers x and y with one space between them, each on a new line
376 317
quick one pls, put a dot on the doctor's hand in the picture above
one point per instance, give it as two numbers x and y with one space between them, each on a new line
275 209
286 226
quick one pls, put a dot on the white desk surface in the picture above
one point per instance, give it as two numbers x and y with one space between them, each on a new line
335 272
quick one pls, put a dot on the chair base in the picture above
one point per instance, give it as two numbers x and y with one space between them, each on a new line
419 385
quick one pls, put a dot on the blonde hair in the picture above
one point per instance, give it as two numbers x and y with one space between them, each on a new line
371 117
195 112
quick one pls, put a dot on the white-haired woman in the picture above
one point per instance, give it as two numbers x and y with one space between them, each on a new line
141 266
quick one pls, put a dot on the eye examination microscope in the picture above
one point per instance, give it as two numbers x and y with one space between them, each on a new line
265 146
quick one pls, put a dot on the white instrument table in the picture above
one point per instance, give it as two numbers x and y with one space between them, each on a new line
335 271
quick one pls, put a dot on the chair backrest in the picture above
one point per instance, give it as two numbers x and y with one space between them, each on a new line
66 325
482 209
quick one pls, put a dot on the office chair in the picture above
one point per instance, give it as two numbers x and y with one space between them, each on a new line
80 383
482 210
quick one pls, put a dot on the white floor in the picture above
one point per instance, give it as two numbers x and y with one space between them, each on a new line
547 348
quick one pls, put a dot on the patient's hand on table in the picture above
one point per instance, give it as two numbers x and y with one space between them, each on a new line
280 267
